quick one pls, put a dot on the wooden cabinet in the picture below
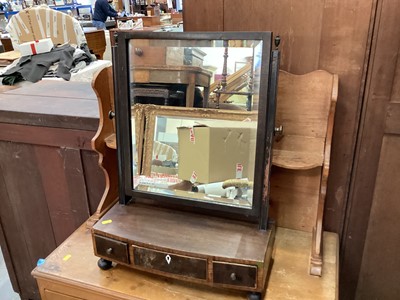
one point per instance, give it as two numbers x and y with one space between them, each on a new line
162 70
50 182
151 53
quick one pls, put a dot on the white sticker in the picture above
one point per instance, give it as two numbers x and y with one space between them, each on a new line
80 36
38 18
193 178
64 27
48 23
168 259
14 30
18 17
55 27
239 170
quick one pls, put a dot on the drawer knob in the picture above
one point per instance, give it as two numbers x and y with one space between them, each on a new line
109 251
233 277
138 51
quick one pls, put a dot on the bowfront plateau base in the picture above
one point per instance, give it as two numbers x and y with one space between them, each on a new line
186 246
71 272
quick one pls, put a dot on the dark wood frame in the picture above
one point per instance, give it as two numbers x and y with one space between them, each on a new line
265 128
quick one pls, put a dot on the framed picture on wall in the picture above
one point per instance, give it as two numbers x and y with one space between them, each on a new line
59 2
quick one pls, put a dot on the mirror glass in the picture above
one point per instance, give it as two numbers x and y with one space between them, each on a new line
200 101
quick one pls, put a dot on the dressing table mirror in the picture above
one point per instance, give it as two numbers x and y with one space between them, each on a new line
195 116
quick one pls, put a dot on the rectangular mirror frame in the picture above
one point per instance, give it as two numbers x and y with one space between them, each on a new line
265 127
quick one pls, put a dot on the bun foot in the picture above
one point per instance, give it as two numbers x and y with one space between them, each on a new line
254 296
104 264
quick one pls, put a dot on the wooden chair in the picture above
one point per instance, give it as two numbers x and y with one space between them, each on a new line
43 22
306 108
164 150
96 41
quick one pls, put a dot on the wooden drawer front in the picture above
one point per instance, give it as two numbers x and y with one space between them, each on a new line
49 294
179 265
232 274
114 250
148 56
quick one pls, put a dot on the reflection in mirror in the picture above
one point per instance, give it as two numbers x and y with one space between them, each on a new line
206 151
137 127
199 154
193 73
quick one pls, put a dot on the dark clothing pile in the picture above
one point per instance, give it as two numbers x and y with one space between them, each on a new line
34 67
103 10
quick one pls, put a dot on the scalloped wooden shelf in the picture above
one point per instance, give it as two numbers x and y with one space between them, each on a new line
298 152
111 141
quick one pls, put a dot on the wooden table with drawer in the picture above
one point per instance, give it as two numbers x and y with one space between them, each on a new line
191 76
71 272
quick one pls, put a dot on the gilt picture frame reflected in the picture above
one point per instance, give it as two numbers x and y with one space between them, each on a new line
137 124
153 111
168 166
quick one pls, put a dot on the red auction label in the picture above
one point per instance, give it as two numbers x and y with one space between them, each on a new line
191 135
33 48
239 170
193 178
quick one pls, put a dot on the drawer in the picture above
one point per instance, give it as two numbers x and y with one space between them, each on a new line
170 263
112 249
49 294
234 274
146 54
